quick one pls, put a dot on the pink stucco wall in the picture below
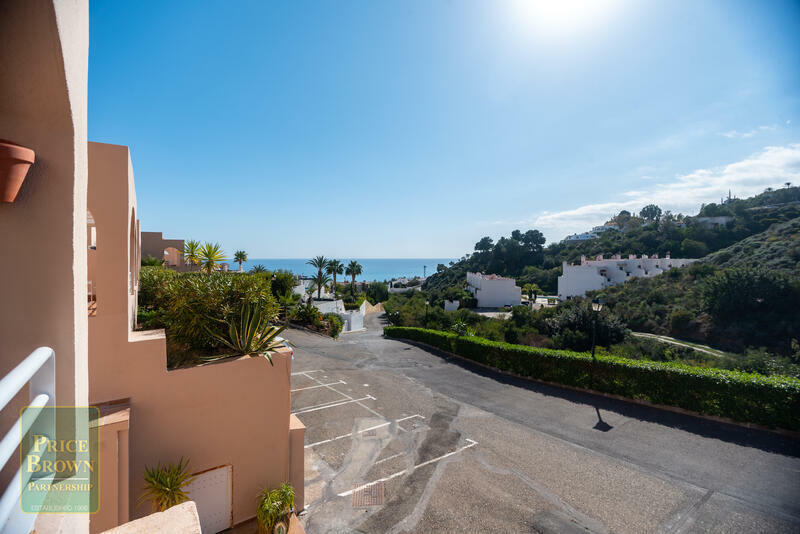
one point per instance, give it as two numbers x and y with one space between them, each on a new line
235 412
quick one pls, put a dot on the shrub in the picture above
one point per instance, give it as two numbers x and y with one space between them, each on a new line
750 397
274 506
164 486
335 324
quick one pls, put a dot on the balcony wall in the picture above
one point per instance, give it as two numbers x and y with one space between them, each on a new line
43 89
234 412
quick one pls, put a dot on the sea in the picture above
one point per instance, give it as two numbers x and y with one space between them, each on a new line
380 269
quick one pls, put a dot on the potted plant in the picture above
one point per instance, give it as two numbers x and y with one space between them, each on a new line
15 160
274 509
164 486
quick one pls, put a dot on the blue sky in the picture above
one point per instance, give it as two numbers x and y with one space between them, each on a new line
413 128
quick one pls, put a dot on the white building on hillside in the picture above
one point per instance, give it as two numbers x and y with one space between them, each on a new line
494 291
601 273
585 236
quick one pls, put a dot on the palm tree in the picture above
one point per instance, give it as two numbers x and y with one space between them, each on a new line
210 256
334 267
320 280
239 257
258 269
190 252
353 270
320 262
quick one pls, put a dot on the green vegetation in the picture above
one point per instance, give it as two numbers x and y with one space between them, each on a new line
377 292
275 506
210 256
748 397
240 256
321 263
523 256
333 268
191 252
150 261
192 306
250 333
353 270
164 486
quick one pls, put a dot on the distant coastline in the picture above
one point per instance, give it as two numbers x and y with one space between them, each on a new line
379 269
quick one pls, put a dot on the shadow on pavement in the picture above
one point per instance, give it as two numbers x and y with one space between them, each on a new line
747 437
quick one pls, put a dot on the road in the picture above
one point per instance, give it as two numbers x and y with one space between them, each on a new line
401 439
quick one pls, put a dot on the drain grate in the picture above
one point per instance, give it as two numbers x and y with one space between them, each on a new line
371 495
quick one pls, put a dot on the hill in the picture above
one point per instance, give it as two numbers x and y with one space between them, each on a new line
744 295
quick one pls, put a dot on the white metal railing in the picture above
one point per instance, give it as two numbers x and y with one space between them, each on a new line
39 371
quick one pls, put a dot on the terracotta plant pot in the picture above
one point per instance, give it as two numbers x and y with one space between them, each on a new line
15 160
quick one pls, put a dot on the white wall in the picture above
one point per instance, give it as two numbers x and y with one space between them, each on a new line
451 305
494 293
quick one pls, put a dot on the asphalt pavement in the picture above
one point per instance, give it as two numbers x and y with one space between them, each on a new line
403 439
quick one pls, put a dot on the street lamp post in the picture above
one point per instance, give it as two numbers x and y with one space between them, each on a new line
426 313
597 306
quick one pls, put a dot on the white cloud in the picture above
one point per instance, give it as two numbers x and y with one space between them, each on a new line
771 167
734 134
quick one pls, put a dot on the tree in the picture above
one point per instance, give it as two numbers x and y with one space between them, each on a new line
258 269
190 252
693 249
320 280
333 268
240 256
441 267
533 291
377 292
533 240
651 212
210 256
320 262
516 235
484 245
353 270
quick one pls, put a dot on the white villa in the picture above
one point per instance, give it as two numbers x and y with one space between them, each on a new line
494 291
601 273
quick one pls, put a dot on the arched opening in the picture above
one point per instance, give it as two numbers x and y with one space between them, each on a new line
172 256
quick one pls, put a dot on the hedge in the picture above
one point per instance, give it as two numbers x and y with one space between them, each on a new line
748 397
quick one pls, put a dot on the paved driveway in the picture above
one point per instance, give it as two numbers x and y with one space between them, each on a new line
400 439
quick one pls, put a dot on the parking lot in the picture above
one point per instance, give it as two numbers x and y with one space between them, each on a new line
402 440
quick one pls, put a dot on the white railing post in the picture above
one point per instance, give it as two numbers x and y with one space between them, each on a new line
39 371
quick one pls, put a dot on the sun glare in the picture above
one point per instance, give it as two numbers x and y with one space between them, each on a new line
561 17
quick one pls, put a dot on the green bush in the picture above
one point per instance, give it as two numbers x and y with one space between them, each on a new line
767 400
335 324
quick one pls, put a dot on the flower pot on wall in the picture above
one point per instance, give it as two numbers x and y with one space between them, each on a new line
15 160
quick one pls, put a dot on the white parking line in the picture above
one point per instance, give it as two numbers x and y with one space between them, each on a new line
304 372
472 443
349 397
333 405
361 431
318 386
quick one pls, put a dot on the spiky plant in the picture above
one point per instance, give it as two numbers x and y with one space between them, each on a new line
164 486
211 256
190 252
250 334
258 269
273 506
333 268
240 256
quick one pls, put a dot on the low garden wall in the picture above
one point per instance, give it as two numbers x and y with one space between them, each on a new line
765 400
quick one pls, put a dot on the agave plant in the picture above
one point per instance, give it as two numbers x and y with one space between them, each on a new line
274 506
191 251
210 255
165 486
250 334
